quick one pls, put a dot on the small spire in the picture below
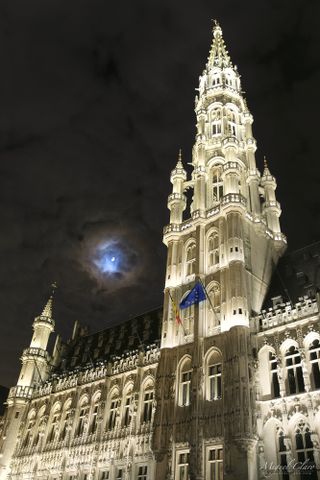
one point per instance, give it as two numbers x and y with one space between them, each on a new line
265 163
266 171
47 311
219 55
179 163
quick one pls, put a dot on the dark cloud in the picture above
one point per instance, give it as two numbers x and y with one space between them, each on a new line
96 98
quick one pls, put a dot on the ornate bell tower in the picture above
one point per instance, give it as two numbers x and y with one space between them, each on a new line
229 238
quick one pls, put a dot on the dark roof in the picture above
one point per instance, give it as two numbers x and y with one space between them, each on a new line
297 275
136 333
3 397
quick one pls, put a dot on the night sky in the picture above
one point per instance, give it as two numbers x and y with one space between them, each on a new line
96 98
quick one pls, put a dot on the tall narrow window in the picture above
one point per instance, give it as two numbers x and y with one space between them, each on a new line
213 250
215 463
105 475
314 358
147 406
294 371
182 466
93 426
217 186
215 381
53 428
113 413
27 437
127 412
191 259
216 122
64 426
82 419
283 457
275 387
304 451
184 376
143 472
232 123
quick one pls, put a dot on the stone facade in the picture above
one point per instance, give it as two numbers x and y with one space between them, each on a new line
220 390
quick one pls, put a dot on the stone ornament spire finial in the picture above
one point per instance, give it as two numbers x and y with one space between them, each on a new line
179 163
219 55
266 171
47 311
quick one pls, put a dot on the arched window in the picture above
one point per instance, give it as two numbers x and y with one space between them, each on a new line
55 420
191 259
216 79
185 383
273 366
83 415
314 358
216 122
217 186
232 123
214 376
213 307
187 318
94 414
30 425
148 399
304 451
213 250
295 381
127 406
114 405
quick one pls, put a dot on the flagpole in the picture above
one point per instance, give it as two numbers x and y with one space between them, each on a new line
176 312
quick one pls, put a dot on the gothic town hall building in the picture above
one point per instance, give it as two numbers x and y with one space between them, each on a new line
234 392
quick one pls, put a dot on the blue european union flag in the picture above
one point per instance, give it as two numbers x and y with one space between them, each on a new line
196 295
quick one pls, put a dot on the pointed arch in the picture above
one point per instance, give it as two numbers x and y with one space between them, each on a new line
190 251
213 308
184 373
147 398
268 373
294 380
213 374
312 348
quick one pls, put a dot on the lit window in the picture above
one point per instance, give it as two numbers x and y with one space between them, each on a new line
185 383
113 414
213 250
217 186
275 388
294 371
215 463
93 426
127 412
82 418
215 381
191 259
143 472
147 406
314 353
53 428
182 465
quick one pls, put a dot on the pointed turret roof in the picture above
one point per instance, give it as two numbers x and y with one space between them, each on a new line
219 55
47 311
266 171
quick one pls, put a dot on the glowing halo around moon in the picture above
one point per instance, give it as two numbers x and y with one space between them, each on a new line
114 257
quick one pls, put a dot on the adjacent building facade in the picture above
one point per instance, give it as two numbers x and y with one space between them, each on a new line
231 391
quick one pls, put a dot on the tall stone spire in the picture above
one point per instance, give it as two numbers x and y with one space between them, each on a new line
47 311
219 55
